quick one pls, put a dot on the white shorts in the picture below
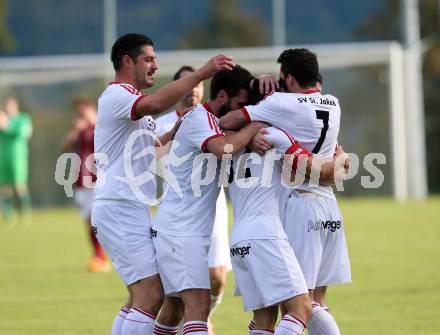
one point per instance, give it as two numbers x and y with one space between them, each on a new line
218 254
182 261
83 198
315 229
266 272
124 230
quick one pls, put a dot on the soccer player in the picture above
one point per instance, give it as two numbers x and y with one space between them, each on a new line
123 131
266 270
15 132
313 221
219 261
184 221
80 140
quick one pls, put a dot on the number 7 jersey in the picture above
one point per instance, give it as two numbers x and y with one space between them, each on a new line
311 118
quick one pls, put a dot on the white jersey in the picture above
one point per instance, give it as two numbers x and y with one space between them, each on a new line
118 130
256 190
190 210
311 118
166 122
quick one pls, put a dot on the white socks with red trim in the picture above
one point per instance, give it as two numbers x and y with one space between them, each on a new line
195 328
290 325
164 330
261 332
119 320
322 322
138 322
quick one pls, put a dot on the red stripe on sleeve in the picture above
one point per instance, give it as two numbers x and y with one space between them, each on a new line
216 128
134 116
205 142
246 115
209 120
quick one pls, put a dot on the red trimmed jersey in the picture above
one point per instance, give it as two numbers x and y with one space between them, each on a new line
165 123
257 194
311 118
121 135
189 210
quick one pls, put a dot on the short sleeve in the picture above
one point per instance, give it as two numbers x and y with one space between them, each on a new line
202 127
281 139
126 100
267 110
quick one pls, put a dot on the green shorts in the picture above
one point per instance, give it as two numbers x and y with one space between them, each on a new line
14 172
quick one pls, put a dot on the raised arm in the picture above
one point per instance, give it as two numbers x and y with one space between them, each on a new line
168 95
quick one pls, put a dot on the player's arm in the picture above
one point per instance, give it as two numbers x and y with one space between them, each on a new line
236 141
329 171
168 95
234 120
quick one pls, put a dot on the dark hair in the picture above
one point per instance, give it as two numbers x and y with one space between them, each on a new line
230 81
182 69
128 44
301 64
319 78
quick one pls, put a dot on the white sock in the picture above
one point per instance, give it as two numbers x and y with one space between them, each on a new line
164 330
290 325
261 332
138 322
321 322
251 326
119 320
215 301
195 328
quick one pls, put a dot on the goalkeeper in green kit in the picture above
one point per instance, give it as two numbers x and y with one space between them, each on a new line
15 132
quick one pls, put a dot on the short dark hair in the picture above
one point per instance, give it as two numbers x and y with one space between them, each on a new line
128 44
182 69
230 81
319 78
301 64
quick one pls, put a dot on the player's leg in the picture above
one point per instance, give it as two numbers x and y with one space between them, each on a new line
335 268
319 296
123 230
7 196
21 174
219 260
170 317
265 319
122 314
183 267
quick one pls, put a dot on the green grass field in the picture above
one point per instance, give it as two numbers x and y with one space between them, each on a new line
394 251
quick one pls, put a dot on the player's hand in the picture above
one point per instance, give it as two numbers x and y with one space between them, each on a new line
342 164
260 144
214 65
4 120
268 84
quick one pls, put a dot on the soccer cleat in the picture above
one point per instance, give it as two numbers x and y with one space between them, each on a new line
98 265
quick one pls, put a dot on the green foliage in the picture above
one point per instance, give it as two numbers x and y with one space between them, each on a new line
226 26
45 288
7 41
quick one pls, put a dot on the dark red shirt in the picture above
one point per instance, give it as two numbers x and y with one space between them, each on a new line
84 146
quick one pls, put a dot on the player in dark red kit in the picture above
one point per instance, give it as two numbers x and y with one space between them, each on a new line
80 140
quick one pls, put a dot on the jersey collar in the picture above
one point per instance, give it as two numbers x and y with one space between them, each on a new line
207 107
313 90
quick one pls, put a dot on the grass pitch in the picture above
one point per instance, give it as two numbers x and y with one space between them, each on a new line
394 250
